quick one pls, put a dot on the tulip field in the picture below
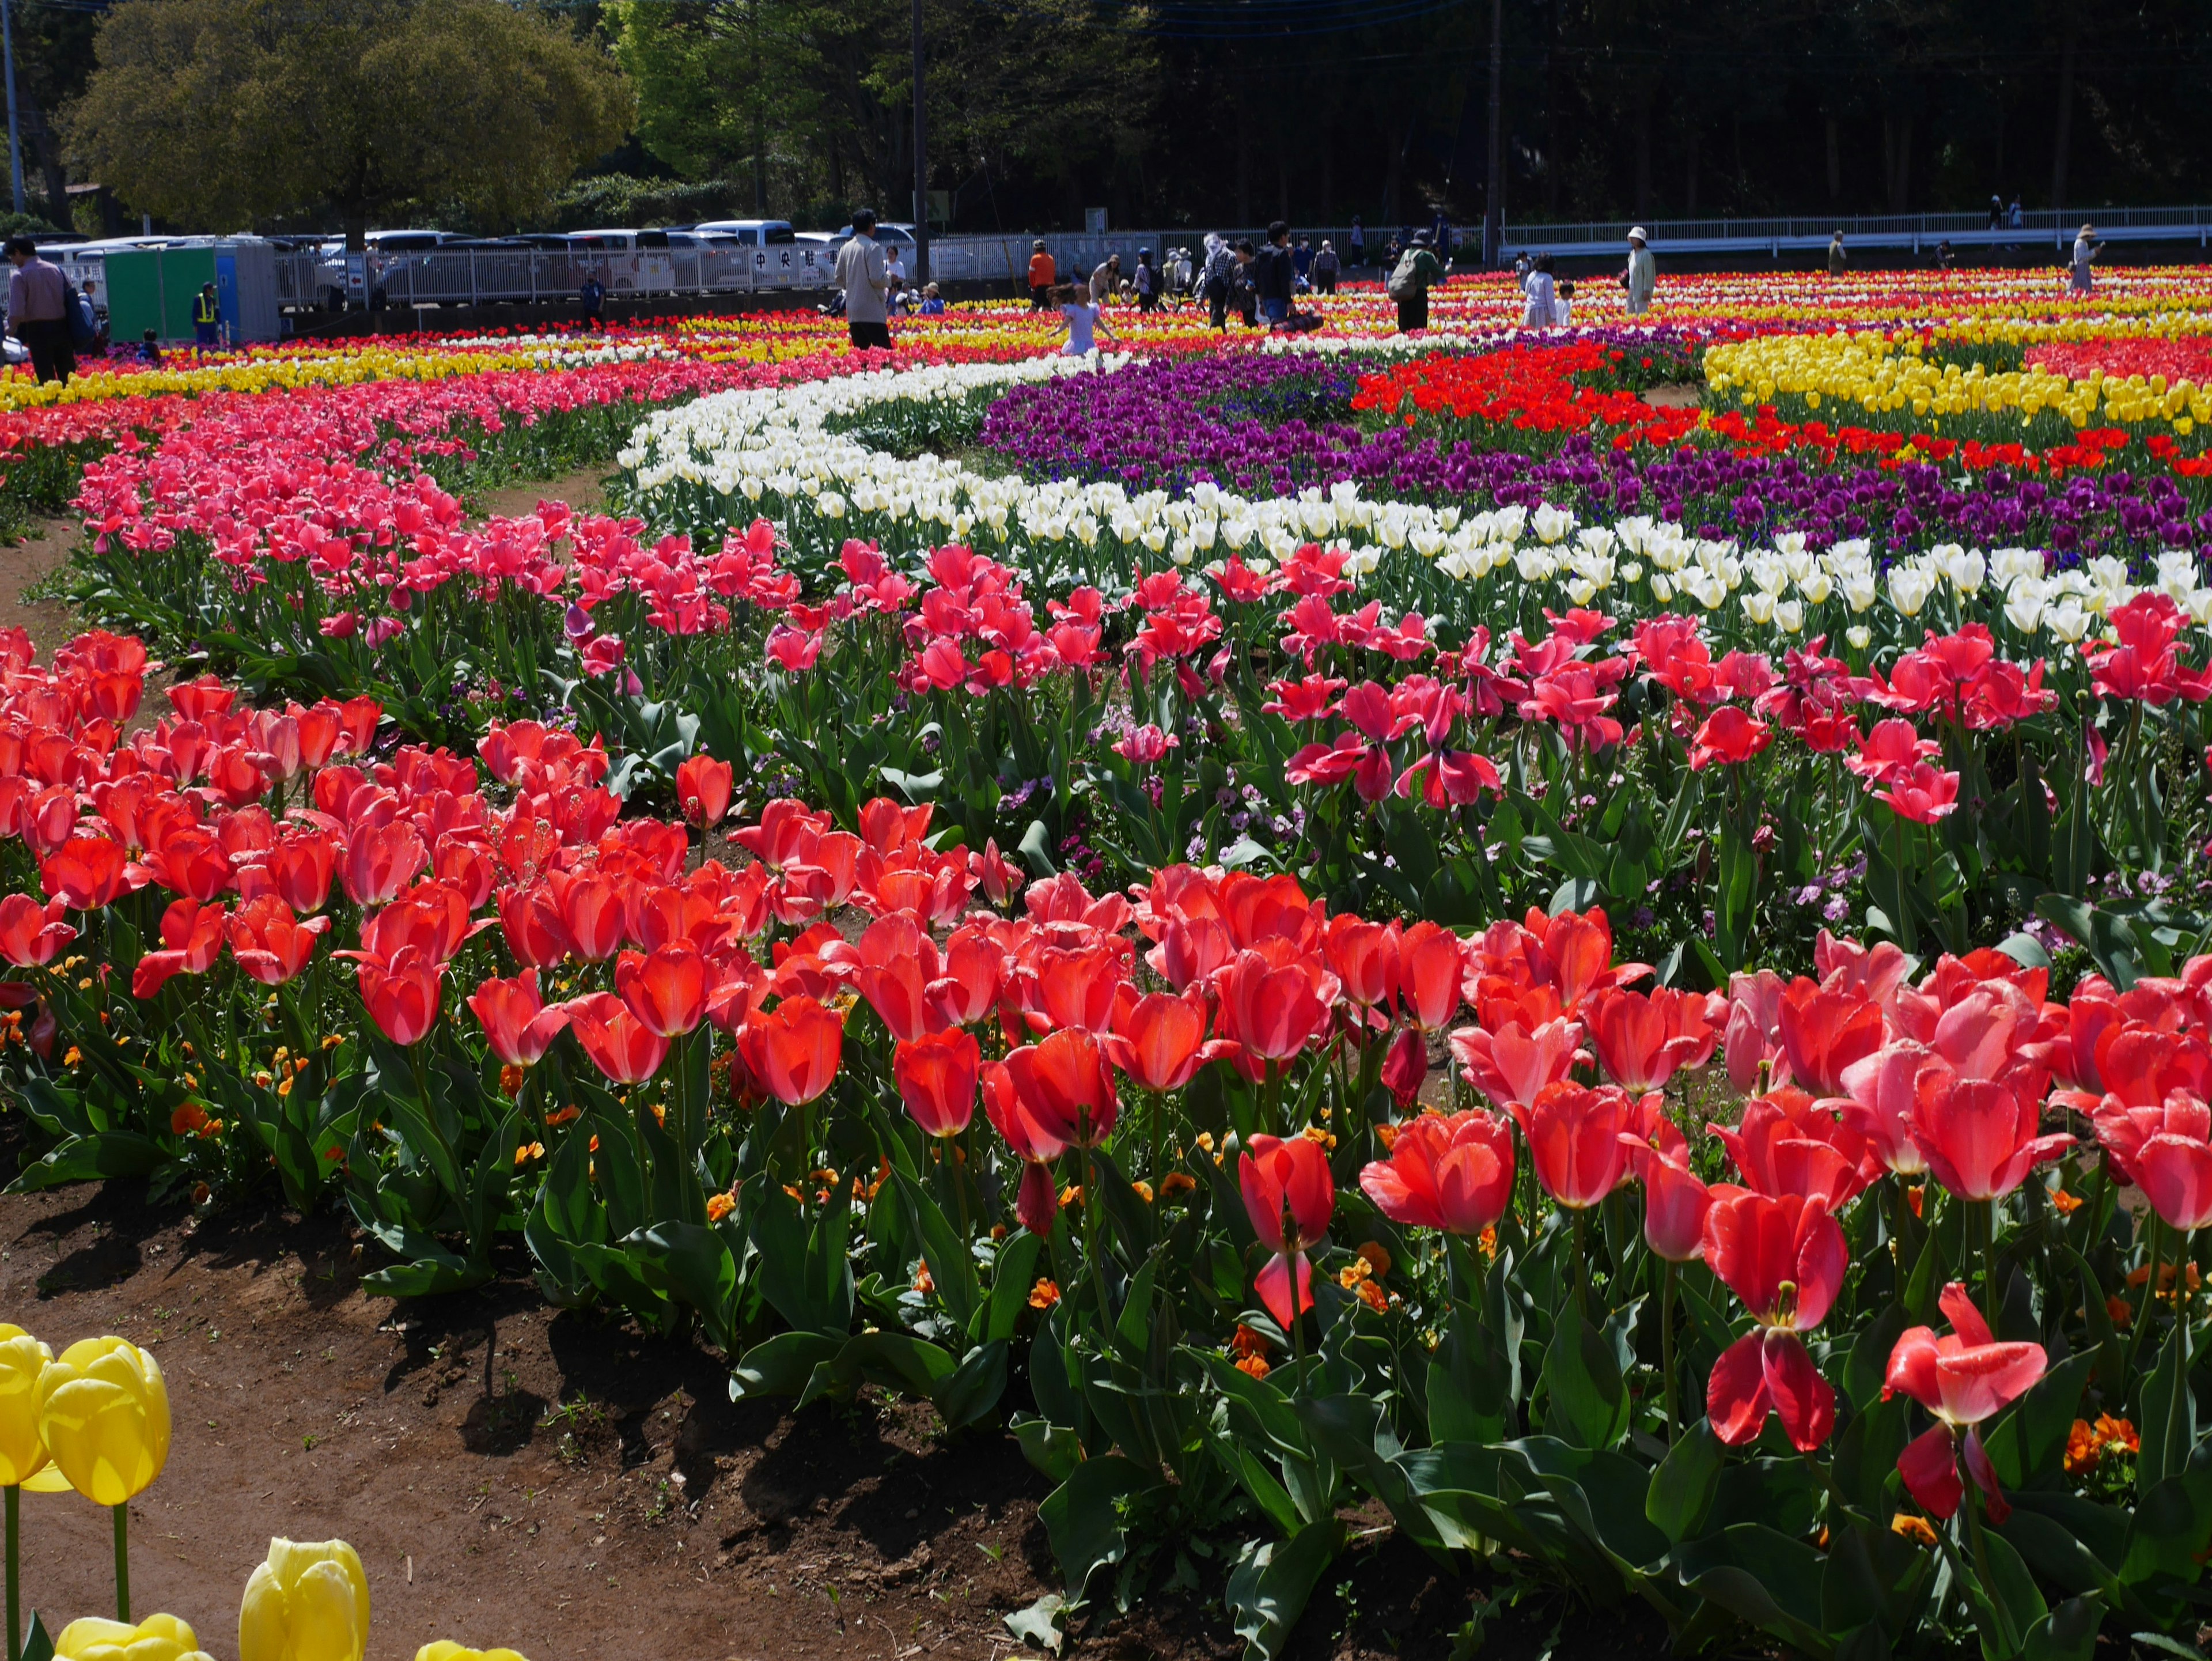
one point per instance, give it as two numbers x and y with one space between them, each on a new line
1590 946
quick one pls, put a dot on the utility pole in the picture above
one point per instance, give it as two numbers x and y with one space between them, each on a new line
1494 213
15 135
920 160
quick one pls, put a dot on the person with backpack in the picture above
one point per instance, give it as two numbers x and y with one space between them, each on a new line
39 307
1409 282
1274 272
1147 281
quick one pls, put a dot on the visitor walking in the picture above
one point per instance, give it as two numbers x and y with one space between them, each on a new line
1274 272
1536 313
1409 282
1325 267
1641 279
1217 280
593 294
1355 246
1836 254
1304 259
38 311
1042 275
1996 212
864 276
1080 316
1146 281
2086 248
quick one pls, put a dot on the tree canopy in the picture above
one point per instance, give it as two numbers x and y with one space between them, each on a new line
229 113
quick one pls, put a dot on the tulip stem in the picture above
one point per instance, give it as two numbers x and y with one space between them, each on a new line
15 1501
1989 1210
123 1562
1582 1267
2143 1309
1667 1347
1995 1599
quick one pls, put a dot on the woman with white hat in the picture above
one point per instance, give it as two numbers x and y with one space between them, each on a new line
2086 248
1641 275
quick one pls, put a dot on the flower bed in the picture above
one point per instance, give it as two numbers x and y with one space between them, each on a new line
1662 1281
1520 969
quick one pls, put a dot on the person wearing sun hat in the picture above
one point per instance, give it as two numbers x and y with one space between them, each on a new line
1641 275
2086 248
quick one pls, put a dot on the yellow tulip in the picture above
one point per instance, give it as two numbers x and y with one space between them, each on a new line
157 1638
446 1650
22 1450
103 1412
309 1602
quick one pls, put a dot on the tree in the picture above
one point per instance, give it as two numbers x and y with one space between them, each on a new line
225 113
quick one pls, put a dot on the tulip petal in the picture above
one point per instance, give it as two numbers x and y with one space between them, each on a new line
1930 1469
1735 1395
1272 1283
1803 1400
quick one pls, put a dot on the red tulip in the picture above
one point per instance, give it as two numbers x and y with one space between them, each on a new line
85 872
1784 1142
1431 961
794 1048
1643 1039
1405 1067
192 863
31 933
1977 1136
1963 1379
1273 1001
402 996
1064 1087
2175 1174
299 868
665 988
1574 1140
1784 1258
1159 1040
1453 1174
1512 1065
191 940
271 945
1824 1032
1881 1088
1363 956
518 1028
1290 1199
2123 1129
1079 987
620 1045
968 990
1730 736
382 860
702 788
1190 950
935 1077
1035 1202
1675 1202
588 906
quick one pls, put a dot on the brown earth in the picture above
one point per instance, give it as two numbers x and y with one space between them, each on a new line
1681 395
557 1483
24 564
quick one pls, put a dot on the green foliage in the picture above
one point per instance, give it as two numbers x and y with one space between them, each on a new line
227 112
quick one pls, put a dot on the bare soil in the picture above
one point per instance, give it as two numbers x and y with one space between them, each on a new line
1680 396
22 565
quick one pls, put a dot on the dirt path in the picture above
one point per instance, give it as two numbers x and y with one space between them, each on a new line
584 491
51 623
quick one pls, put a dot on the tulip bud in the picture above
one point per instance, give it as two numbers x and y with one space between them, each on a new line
104 1414
309 1602
157 1638
446 1650
22 1450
